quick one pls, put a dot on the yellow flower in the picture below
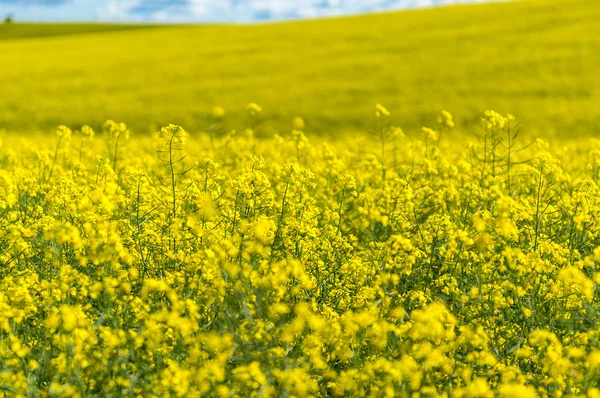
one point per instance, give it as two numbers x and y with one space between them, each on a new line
298 123
445 119
68 317
218 113
593 359
380 111
430 135
517 390
253 109
63 132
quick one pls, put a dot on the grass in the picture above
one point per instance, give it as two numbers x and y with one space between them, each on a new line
536 58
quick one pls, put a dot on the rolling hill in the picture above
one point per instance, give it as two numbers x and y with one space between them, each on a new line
13 31
537 59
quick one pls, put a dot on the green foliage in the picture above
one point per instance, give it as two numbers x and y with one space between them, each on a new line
221 265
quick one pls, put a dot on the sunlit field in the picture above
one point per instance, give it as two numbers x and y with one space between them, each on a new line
537 59
303 209
225 265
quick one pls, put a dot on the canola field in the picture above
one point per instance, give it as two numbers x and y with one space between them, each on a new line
222 265
537 59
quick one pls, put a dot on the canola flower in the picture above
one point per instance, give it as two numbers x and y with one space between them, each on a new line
192 265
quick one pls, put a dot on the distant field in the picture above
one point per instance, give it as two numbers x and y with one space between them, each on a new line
538 59
26 31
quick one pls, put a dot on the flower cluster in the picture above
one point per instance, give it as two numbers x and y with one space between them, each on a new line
220 264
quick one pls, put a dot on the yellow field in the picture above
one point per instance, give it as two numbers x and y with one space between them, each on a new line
306 247
223 265
539 60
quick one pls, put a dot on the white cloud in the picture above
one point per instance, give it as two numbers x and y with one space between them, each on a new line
245 10
201 10
117 9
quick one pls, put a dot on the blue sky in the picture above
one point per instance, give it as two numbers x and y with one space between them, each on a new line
199 10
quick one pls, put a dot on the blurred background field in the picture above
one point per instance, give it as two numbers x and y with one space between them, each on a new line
13 31
538 59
